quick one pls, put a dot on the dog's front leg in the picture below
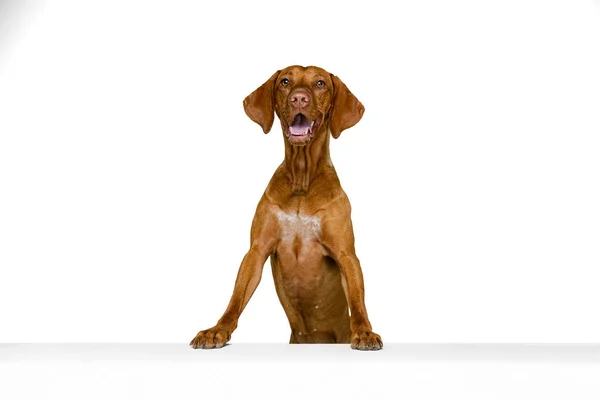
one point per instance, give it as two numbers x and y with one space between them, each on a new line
338 239
362 337
248 278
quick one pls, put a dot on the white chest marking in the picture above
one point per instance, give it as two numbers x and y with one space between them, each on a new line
292 225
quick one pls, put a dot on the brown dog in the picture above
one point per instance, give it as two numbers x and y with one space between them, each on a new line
303 219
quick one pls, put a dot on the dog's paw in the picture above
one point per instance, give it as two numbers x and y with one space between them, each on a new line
366 340
212 338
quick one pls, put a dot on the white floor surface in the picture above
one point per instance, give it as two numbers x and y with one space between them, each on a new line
282 371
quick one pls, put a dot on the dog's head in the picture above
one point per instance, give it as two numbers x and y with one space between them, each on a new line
308 101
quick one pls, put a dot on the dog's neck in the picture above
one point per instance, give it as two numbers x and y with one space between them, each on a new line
303 163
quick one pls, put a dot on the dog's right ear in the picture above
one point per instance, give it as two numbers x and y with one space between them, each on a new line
259 104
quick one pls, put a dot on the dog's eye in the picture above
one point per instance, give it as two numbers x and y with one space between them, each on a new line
320 83
285 81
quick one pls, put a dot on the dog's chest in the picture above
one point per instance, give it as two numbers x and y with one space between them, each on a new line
298 226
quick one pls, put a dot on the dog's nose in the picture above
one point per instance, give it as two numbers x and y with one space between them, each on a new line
300 98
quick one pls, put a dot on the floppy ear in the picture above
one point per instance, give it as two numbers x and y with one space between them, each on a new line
259 104
347 110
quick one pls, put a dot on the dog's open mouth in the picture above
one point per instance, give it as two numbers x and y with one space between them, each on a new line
301 126
301 130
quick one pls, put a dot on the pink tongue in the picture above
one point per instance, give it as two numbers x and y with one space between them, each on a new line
297 130
300 126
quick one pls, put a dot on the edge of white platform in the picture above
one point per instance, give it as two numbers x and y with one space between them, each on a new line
282 353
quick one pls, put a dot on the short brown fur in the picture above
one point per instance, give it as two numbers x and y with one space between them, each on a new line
318 278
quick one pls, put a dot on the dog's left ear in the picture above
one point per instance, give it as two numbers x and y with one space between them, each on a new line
259 104
347 110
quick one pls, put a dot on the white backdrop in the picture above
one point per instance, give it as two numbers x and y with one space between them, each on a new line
129 173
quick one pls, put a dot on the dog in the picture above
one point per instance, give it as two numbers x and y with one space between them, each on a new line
302 221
